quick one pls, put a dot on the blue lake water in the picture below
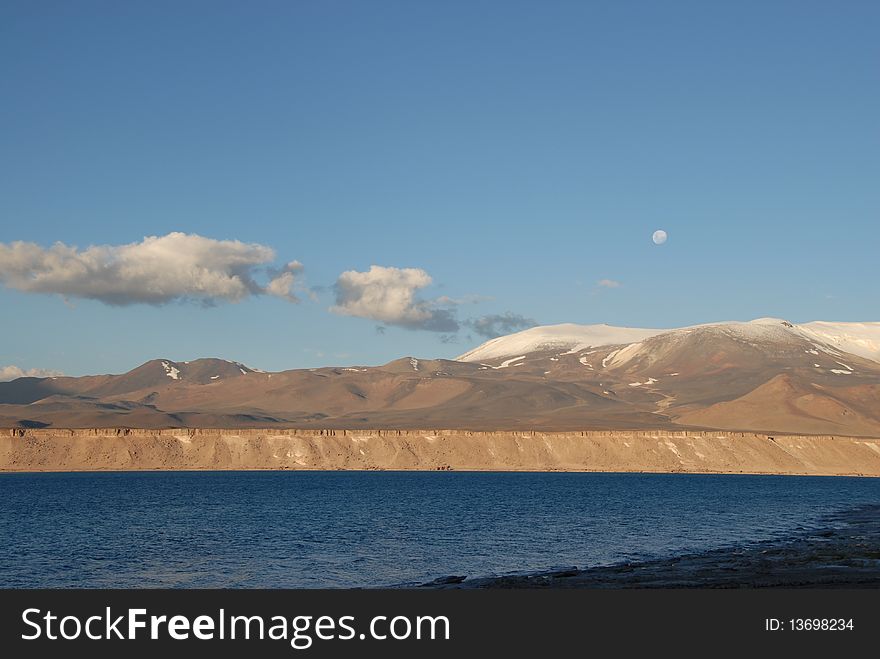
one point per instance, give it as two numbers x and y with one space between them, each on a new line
344 529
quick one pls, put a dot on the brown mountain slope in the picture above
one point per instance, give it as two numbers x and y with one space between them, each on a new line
766 377
786 405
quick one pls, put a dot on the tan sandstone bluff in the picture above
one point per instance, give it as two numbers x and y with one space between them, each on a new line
429 450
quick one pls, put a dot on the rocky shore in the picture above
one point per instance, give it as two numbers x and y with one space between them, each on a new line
843 554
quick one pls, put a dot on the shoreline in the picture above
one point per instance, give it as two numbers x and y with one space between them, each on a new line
426 470
829 556
588 451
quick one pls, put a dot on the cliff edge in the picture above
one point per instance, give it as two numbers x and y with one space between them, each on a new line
428 450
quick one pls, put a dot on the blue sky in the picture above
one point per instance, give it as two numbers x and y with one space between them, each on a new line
516 152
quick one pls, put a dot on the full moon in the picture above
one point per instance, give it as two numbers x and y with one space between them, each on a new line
659 237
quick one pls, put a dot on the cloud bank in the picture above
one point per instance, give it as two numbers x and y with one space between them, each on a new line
8 373
157 270
608 283
180 267
500 324
388 295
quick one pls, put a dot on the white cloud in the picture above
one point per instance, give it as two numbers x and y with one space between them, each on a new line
8 373
157 270
608 283
284 282
388 295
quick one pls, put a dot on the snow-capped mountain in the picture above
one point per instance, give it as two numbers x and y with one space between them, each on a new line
763 375
862 339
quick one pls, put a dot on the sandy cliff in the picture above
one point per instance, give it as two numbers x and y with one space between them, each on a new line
653 451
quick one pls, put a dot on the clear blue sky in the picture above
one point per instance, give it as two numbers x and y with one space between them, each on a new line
517 152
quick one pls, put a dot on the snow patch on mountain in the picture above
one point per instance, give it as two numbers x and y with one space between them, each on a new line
171 371
622 356
862 339
567 336
506 363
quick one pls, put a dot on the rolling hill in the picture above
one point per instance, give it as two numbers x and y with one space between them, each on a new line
766 375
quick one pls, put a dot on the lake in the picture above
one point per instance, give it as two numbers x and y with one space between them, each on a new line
366 529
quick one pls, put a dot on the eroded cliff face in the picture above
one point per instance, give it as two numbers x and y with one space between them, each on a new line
618 451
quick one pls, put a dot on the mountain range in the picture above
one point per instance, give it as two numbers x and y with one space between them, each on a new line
767 375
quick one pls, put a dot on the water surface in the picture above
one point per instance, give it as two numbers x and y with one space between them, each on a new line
344 529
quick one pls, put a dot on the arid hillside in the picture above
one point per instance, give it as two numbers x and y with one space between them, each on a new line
764 376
